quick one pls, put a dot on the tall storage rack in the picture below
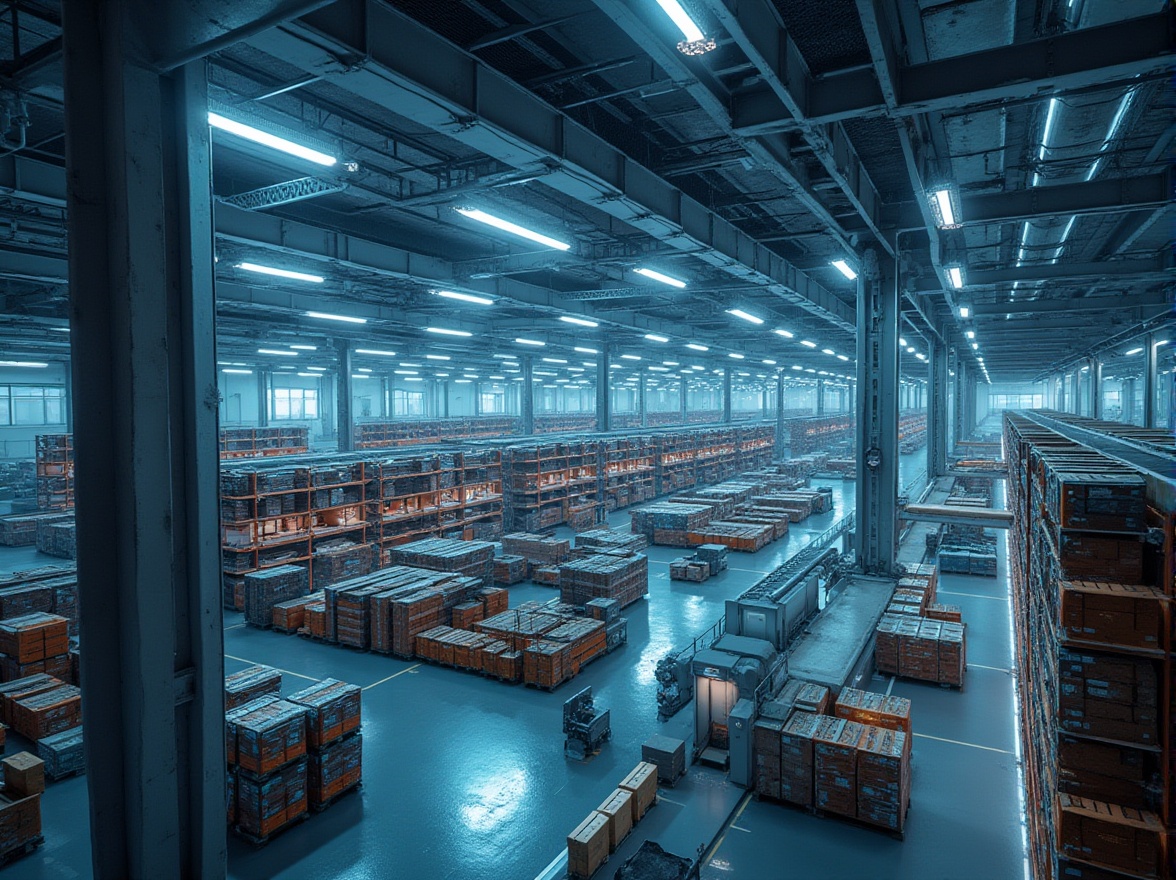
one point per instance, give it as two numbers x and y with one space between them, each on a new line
550 484
421 432
627 471
1123 763
252 442
816 433
55 471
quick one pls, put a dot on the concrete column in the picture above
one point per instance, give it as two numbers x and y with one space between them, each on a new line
641 377
603 391
1075 406
877 414
780 427
1096 388
67 403
726 395
527 395
936 409
262 398
1149 380
143 316
820 397
345 418
682 400
477 398
961 375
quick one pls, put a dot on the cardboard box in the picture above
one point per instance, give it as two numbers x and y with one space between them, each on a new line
1111 835
619 811
642 784
24 775
588 846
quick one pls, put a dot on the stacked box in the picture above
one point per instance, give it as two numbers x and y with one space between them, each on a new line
25 599
607 610
952 654
876 710
21 530
949 613
467 614
316 619
667 754
665 517
588 847
39 715
1107 696
63 753
919 653
271 736
884 777
796 757
714 555
742 537
602 540
766 737
24 687
58 538
1085 556
290 616
333 770
510 570
267 587
813 698
1114 614
835 744
58 666
24 775
353 615
266 805
1100 502
250 684
333 710
687 568
1106 772
20 822
618 809
604 576
641 783
333 564
474 559
539 549
886 644
494 601
1110 835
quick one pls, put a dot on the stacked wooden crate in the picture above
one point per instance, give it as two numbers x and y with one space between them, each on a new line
251 684
510 569
58 537
334 744
63 753
290 616
339 561
604 540
877 710
268 587
669 523
473 559
32 643
604 576
538 550
796 758
46 712
20 530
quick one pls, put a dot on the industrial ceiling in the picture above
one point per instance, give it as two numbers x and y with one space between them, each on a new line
802 133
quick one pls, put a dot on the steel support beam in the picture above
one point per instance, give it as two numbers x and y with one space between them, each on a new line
1024 71
642 377
345 418
1112 195
1149 380
877 416
1157 299
603 390
726 395
262 398
1096 388
415 73
527 395
144 365
936 409
820 397
1140 267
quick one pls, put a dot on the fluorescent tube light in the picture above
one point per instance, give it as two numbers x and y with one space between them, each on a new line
522 341
363 369
910 349
249 133
250 372
769 363
844 269
696 347
975 345
404 372
1133 351
808 344
437 357
513 228
732 354
955 276
360 376
971 334
828 351
746 316
964 312
787 334
797 367
281 352
280 273
303 375
378 351
327 316
580 322
901 342
653 337
583 350
471 375
554 361
464 297
318 369
942 199
441 375
304 347
658 276
444 331
413 379
682 19
631 357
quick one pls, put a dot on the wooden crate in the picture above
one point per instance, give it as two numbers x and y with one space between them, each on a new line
20 822
249 684
835 765
333 770
766 741
24 775
878 710
23 687
1112 836
641 783
588 846
266 805
618 809
271 736
333 710
884 777
796 757
33 637
40 715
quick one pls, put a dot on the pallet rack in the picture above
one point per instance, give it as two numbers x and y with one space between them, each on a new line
419 432
55 471
627 471
558 423
549 484
818 433
1132 770
253 442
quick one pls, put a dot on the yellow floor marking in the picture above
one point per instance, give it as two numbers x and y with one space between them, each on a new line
959 743
283 671
390 677
718 843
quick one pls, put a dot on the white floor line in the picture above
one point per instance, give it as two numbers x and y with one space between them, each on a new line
662 797
740 828
390 677
555 869
1003 598
234 626
982 666
961 743
890 686
283 671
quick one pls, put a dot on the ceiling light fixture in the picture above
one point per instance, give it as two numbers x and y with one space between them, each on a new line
304 347
787 334
522 341
844 268
631 357
249 133
318 369
746 316
842 357
768 362
583 350
1133 351
964 311
554 361
280 273
653 337
376 351
971 334
696 347
808 344
695 42
250 372
444 331
737 357
280 352
942 207
513 228
579 322
956 276
464 297
828 351
658 276
438 357
327 316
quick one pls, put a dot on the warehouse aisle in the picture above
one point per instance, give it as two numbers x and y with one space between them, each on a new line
965 820
464 778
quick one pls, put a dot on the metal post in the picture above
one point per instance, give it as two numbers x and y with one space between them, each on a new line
262 398
820 397
877 421
779 414
682 401
1075 405
144 364
641 377
726 395
1149 380
603 391
477 398
343 403
961 373
445 398
1096 391
1127 398
67 403
936 409
527 395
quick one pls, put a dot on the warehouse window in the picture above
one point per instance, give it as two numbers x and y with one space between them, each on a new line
1015 401
408 403
493 401
295 403
32 405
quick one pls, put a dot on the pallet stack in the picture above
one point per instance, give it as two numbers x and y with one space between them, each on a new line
266 588
45 712
32 643
64 753
58 537
20 530
251 684
610 540
510 570
604 576
334 744
20 805
472 559
538 550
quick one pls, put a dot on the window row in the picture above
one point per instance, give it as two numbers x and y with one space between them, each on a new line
32 405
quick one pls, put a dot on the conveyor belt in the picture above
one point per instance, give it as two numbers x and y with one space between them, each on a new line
969 516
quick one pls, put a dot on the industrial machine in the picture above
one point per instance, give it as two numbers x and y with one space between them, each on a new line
585 727
725 674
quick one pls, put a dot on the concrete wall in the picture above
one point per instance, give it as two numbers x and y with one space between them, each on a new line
18 441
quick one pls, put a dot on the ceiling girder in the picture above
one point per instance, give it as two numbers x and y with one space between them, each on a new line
1089 197
1030 70
417 74
1139 268
1161 298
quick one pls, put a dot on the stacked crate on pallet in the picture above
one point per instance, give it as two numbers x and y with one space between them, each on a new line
543 482
742 537
20 823
266 741
339 561
669 523
32 643
38 715
58 537
884 777
796 758
689 568
55 471
335 748
267 587
877 710
290 616
13 690
473 559
814 698
20 530
510 569
767 737
63 753
605 576
251 684
538 550
603 540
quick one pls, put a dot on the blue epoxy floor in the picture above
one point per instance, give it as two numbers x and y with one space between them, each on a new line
464 777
